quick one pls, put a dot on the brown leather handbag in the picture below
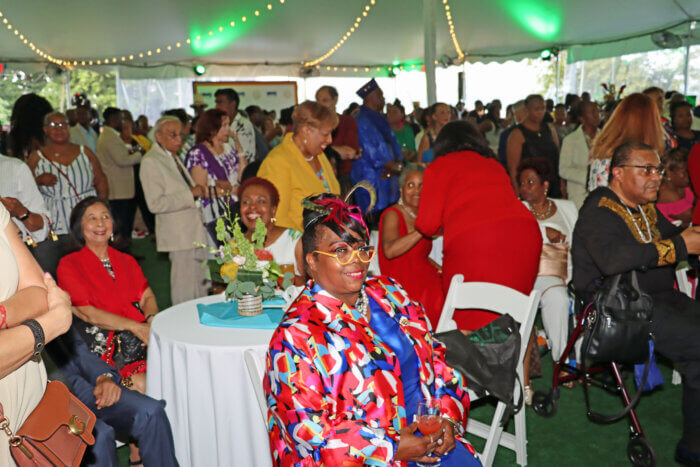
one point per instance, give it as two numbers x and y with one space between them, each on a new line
554 260
55 434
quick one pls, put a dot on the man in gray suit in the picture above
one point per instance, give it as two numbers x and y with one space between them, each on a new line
172 196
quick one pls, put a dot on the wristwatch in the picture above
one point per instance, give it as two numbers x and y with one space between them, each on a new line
107 375
24 216
39 339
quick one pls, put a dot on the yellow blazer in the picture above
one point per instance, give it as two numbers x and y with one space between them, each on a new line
295 179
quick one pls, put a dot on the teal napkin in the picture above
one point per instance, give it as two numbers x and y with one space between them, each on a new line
225 314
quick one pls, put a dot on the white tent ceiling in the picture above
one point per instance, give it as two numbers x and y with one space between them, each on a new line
282 37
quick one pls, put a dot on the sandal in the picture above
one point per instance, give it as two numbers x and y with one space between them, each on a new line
568 384
527 395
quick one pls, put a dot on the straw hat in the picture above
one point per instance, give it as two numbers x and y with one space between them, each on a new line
198 101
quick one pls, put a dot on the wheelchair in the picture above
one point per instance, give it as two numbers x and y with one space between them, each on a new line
608 377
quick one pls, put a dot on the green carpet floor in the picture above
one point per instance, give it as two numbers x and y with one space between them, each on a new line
567 439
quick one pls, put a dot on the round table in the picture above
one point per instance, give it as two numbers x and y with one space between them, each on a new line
200 372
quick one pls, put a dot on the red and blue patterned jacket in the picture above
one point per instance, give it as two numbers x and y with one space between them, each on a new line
334 387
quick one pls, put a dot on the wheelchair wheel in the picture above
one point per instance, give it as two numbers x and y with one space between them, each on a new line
544 403
641 453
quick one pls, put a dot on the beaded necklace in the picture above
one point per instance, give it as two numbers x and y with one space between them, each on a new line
362 303
645 239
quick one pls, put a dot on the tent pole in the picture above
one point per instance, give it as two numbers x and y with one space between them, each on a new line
583 72
65 90
429 47
556 95
685 68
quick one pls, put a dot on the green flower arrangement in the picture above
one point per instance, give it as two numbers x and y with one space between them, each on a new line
244 265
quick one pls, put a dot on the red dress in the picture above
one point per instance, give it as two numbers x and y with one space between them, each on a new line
88 283
694 173
414 271
489 235
345 134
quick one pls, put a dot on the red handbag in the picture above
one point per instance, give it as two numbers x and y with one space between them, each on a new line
55 434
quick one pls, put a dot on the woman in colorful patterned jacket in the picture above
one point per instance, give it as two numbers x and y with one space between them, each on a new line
352 358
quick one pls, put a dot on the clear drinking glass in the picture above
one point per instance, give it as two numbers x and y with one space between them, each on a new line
429 420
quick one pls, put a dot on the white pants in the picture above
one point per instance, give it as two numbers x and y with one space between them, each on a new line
187 278
555 312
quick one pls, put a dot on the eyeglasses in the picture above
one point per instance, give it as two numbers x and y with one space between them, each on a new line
57 124
344 255
649 170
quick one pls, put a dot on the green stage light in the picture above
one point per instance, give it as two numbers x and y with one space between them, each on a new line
200 70
546 54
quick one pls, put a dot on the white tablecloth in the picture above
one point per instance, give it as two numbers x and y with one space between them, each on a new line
200 372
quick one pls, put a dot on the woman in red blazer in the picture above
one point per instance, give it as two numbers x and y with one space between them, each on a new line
489 235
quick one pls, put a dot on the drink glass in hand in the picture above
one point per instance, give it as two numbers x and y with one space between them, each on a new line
429 421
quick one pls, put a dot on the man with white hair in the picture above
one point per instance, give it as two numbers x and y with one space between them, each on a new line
172 196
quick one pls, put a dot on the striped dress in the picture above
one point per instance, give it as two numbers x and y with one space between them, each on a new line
61 198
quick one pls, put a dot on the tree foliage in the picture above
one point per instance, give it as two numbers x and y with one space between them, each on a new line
99 88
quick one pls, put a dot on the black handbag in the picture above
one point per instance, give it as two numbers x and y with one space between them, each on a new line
619 326
618 330
487 358
127 349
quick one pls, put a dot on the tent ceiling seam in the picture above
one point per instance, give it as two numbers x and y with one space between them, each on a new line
680 7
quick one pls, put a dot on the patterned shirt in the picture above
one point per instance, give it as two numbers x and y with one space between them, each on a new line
243 129
334 387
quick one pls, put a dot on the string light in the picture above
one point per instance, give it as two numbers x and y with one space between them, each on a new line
346 36
257 13
451 25
37 50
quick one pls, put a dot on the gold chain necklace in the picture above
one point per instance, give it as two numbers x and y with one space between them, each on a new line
546 214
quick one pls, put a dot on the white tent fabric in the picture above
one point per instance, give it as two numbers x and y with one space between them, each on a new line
281 38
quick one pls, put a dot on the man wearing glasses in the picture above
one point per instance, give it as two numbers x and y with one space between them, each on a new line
619 229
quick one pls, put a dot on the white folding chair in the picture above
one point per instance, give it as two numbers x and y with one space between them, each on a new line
685 287
374 264
256 367
683 282
523 308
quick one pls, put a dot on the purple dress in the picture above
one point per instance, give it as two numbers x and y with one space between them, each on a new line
221 167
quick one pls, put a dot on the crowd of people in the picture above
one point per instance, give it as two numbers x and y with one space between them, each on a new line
534 199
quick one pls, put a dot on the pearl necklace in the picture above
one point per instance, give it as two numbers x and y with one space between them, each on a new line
410 213
362 303
645 239
546 214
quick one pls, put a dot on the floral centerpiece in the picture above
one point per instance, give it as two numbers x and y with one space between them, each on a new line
248 270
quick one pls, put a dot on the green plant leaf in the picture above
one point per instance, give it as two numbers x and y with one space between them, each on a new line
287 281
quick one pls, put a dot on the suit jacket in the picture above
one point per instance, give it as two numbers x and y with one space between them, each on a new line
178 219
117 163
294 179
573 165
334 387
